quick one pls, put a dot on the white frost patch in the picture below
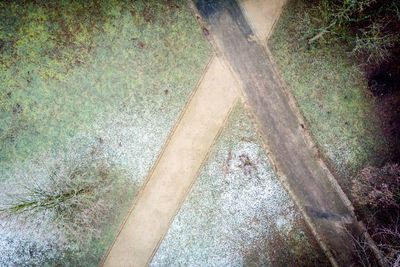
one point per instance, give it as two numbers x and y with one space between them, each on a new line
128 141
28 245
236 202
133 142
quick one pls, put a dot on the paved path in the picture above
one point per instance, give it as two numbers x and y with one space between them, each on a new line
309 182
176 169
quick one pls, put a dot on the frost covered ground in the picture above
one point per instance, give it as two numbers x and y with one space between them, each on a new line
237 213
84 78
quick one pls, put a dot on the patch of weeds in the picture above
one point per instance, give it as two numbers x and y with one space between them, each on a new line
248 165
153 10
295 248
378 187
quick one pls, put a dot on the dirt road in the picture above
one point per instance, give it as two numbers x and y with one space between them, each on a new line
293 154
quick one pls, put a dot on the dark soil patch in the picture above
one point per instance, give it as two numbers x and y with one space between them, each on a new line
384 85
384 76
291 248
385 79
388 108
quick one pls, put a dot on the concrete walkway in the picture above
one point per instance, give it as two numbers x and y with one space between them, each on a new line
176 168
313 188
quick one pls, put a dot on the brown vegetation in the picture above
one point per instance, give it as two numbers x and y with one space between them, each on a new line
77 199
377 192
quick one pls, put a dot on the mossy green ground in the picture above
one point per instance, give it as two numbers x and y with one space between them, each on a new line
331 93
238 213
82 76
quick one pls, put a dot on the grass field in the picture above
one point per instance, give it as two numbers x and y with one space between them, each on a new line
332 95
81 79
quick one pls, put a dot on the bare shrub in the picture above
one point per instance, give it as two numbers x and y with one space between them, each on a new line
365 24
387 240
377 190
77 199
372 42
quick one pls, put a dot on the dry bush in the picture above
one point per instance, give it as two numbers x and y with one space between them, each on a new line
377 191
77 199
369 26
378 188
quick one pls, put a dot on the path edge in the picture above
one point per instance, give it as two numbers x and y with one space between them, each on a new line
317 153
160 155
202 164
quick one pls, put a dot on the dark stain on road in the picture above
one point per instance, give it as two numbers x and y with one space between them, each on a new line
213 9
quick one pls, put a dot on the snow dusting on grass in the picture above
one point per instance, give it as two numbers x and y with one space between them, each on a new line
234 206
78 77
